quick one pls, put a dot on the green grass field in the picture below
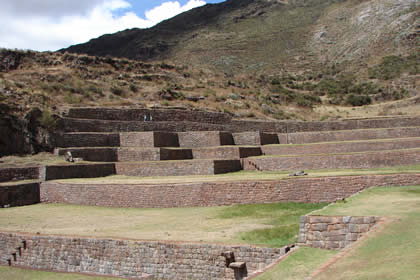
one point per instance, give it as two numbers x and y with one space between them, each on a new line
390 253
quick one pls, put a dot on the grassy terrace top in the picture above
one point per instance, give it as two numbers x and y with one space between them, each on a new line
241 176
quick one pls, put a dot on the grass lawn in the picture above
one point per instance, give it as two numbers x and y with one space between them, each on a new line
7 273
392 253
266 224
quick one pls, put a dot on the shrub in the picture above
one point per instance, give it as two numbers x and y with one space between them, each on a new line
117 90
134 88
393 66
47 120
358 100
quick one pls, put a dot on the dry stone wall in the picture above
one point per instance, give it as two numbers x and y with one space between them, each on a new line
306 190
151 115
18 173
333 232
177 168
19 194
255 138
343 147
66 140
334 161
194 139
56 172
348 135
132 259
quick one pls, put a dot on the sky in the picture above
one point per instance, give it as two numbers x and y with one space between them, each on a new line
49 25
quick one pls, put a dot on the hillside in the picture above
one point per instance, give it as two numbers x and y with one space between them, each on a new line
265 59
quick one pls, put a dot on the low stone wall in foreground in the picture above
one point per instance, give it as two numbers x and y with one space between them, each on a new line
333 232
133 259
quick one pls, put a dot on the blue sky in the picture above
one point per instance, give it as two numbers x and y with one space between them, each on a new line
141 6
49 25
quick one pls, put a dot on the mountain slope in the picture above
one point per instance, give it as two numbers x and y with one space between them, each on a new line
270 35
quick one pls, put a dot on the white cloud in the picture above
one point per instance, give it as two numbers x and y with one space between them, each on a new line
171 9
46 27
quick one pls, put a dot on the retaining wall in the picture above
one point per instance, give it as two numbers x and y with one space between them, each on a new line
56 172
132 259
305 190
88 140
255 138
227 152
343 147
194 139
334 161
18 173
349 135
149 139
156 114
178 168
333 232
19 194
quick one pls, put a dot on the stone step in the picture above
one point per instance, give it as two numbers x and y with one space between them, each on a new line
177 168
348 135
19 193
92 125
146 115
19 173
334 161
115 154
150 139
255 138
342 147
57 172
225 152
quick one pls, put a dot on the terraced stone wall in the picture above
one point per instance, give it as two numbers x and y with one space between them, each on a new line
56 172
88 140
19 173
333 232
343 147
307 190
19 195
151 115
255 138
194 139
348 135
170 124
132 259
178 168
334 161
149 139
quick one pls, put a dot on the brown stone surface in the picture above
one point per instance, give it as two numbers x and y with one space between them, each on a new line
177 168
333 232
227 152
132 259
88 140
334 161
343 147
255 138
55 172
18 173
349 135
19 195
122 114
322 189
193 139
149 139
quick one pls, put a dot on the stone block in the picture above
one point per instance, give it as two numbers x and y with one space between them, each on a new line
319 227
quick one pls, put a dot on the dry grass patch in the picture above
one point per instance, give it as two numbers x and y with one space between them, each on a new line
234 224
7 273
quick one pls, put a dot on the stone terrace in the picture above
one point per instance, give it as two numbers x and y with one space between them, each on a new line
163 142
